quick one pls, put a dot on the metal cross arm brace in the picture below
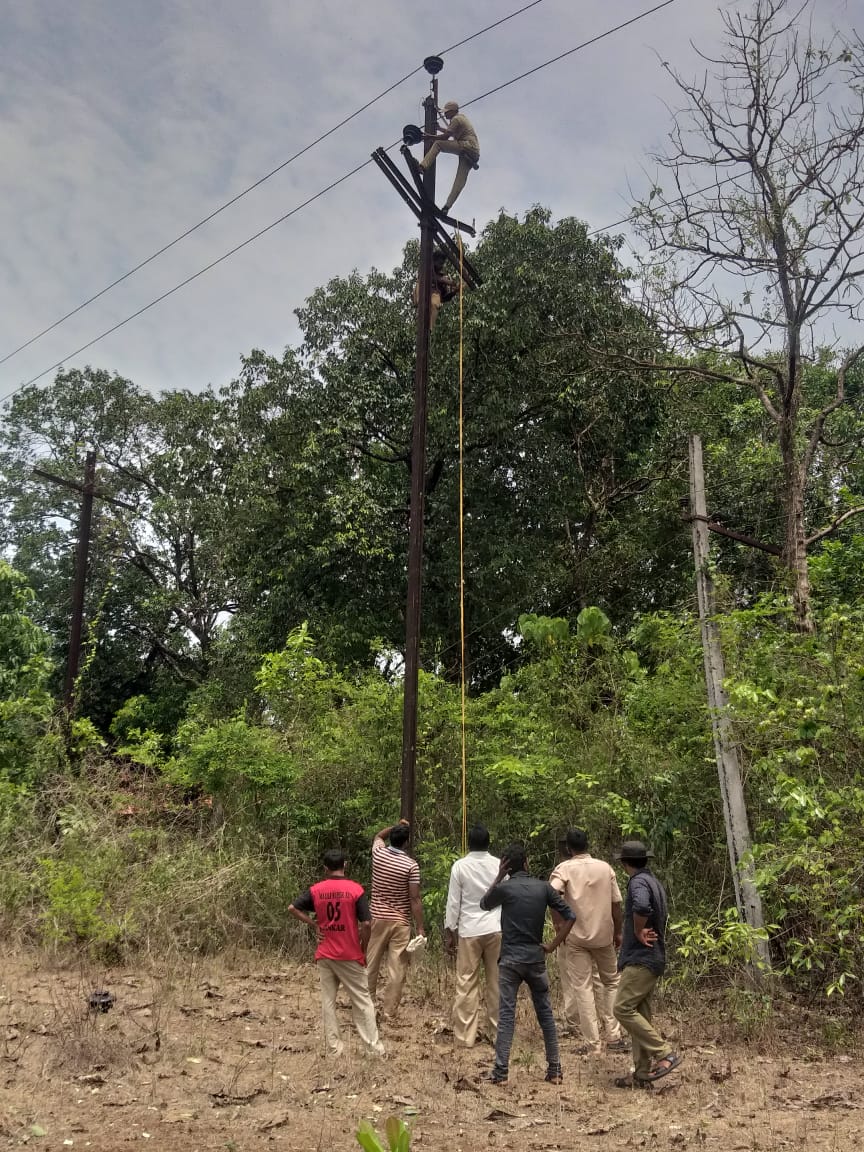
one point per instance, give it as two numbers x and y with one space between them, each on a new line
415 202
417 174
81 489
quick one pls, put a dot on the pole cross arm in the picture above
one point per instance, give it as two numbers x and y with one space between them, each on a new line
415 202
74 486
416 172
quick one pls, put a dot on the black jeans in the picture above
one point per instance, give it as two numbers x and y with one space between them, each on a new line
510 976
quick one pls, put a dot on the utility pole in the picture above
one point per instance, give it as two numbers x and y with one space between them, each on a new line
79 586
408 802
735 817
88 493
418 193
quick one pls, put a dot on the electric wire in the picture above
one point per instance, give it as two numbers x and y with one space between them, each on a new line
563 55
310 200
170 292
257 184
628 219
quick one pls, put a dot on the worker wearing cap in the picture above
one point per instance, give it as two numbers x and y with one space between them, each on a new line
460 139
641 962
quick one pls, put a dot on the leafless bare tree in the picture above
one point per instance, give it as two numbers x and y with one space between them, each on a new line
759 254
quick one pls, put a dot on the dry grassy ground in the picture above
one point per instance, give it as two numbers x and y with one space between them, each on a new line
212 1056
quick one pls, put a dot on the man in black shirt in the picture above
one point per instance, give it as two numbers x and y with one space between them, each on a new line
523 901
641 962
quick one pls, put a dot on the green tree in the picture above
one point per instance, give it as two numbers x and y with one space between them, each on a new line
558 452
160 581
26 707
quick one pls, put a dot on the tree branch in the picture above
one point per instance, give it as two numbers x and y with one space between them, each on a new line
818 426
823 532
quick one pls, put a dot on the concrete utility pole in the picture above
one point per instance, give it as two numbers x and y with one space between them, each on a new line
726 751
418 475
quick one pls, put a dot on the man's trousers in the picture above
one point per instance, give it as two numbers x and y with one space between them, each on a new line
581 1005
352 977
389 939
510 976
633 1011
471 952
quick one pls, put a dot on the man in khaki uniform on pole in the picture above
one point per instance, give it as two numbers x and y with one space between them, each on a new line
591 890
460 139
474 936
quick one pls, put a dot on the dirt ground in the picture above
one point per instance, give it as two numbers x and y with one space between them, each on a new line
217 1056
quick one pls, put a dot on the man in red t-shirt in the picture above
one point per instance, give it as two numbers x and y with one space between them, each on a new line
343 923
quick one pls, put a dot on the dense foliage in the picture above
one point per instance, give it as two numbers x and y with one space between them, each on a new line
239 703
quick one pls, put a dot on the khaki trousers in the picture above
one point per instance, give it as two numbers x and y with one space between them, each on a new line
389 938
434 305
352 977
584 1001
471 952
633 1011
467 159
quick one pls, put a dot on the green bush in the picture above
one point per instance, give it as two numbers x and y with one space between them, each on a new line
76 907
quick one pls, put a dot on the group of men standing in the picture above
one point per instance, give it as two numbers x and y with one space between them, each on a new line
613 951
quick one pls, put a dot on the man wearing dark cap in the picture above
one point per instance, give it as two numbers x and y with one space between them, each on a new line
641 962
459 138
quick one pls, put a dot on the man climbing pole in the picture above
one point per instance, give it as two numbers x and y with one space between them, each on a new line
460 139
444 288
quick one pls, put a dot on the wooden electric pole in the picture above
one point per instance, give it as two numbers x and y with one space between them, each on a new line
735 817
88 493
418 474
79 585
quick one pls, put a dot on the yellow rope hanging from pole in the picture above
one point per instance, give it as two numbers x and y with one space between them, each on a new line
462 562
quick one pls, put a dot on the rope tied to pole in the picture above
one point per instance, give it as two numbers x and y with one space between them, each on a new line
462 556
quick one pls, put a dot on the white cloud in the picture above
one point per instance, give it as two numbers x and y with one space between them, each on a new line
123 124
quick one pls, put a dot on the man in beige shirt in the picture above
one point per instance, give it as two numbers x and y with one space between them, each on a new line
591 889
459 138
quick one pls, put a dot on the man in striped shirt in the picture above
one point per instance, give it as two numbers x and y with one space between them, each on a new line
395 901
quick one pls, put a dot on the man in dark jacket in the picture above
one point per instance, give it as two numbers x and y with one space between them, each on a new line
641 962
523 901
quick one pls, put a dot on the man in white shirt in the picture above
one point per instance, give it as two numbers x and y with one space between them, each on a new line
474 936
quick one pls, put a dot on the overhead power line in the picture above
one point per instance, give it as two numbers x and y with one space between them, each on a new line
170 292
563 55
311 199
257 184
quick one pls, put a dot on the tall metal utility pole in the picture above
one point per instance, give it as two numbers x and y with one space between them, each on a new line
419 195
726 751
408 789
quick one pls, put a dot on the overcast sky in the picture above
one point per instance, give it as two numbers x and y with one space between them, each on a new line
123 123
